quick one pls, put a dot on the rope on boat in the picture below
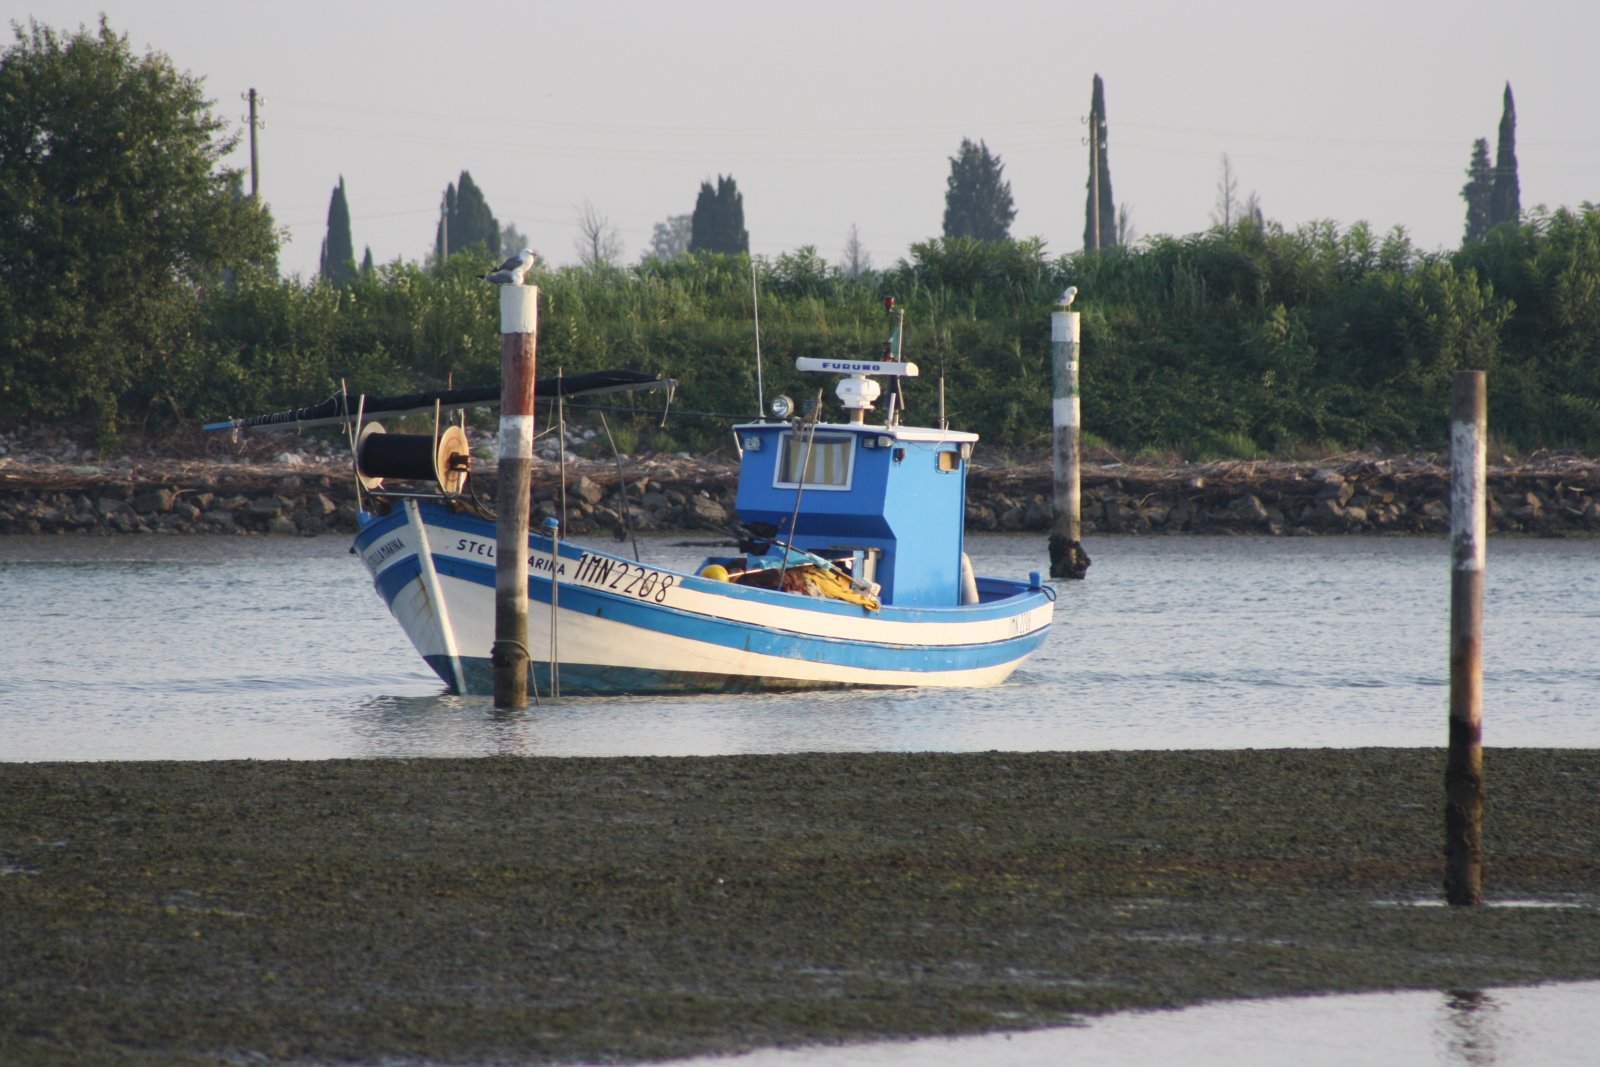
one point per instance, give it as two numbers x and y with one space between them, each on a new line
622 487
553 528
800 482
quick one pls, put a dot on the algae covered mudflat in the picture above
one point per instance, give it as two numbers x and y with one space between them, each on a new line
544 910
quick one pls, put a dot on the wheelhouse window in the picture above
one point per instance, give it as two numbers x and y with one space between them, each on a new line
826 458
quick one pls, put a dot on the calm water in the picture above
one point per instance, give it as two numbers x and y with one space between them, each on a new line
208 648
1537 1026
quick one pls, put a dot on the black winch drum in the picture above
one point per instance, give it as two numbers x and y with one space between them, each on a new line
412 457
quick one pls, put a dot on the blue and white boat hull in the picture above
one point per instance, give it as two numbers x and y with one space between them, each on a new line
618 626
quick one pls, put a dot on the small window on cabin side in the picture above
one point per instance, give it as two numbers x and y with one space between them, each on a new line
949 461
825 458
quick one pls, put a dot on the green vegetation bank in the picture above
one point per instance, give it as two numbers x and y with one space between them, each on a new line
1218 345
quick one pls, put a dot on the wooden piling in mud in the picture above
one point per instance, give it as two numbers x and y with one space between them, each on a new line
1463 779
519 328
1067 557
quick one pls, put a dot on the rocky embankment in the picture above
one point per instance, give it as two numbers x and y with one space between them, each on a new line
1544 494
310 489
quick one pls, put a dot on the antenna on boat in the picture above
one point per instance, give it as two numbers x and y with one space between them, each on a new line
755 304
892 350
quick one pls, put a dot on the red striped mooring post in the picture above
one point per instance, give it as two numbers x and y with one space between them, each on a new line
519 329
1463 776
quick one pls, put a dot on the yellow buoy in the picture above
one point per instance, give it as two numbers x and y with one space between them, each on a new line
715 571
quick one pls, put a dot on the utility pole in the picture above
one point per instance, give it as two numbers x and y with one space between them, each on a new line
444 229
255 101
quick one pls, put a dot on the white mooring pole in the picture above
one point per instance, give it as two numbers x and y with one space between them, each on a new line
1463 776
1067 557
519 330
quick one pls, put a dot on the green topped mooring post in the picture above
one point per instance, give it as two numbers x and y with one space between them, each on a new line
1067 557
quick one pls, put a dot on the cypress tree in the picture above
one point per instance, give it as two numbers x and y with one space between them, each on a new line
977 199
703 222
1108 211
470 221
1478 192
718 221
338 251
475 222
442 234
1506 204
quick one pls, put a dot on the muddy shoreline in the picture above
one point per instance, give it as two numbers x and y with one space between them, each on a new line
613 910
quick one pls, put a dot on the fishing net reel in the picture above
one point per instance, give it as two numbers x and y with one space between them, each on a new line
445 459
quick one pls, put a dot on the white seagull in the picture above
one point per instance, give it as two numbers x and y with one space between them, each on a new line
512 270
1068 295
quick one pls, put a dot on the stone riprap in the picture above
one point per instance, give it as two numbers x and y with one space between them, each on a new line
1545 495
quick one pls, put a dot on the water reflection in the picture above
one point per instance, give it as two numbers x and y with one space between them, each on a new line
1468 1032
1533 1026
679 726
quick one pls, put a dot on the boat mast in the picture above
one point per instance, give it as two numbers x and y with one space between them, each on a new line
755 304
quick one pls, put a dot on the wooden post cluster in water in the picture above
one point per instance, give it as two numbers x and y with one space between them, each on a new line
1463 776
1067 557
519 328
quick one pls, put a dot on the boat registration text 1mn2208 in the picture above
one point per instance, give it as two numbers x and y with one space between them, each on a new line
620 576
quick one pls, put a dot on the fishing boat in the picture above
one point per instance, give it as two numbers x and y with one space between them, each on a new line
849 570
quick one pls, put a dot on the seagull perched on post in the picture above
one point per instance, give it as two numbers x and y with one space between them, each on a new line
1068 295
512 270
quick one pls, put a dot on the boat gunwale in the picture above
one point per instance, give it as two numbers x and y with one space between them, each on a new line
1016 596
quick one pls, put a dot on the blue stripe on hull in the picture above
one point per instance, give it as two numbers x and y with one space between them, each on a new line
930 660
752 637
594 679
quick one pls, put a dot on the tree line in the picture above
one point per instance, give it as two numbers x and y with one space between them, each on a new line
139 292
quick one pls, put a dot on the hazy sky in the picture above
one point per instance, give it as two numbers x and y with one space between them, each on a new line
831 114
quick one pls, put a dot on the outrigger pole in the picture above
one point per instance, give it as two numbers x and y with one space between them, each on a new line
341 408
